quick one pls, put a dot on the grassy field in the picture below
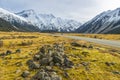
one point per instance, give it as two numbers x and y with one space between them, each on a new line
96 63
99 36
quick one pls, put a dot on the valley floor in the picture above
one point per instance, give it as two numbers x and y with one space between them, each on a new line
91 61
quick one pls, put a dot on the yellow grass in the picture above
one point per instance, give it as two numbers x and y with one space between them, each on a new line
96 58
99 36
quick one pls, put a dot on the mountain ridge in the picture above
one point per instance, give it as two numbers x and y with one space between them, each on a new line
19 22
47 22
106 22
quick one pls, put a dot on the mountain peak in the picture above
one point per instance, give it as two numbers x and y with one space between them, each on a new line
5 14
30 11
49 21
26 13
47 15
106 22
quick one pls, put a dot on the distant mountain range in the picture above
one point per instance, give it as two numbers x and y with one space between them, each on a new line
19 23
29 20
48 22
106 22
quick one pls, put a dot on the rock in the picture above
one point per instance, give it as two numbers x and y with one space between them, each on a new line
40 75
75 44
25 74
85 63
51 63
29 62
66 75
67 63
42 50
78 65
109 63
2 54
8 52
33 65
17 71
18 51
46 61
48 68
36 57
115 72
57 64
54 76
90 46
43 75
85 53
47 78
58 59
84 46
19 64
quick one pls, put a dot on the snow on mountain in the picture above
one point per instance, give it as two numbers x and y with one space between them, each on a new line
8 16
19 22
48 22
106 22
31 16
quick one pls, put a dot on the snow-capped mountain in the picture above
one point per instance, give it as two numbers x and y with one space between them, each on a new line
48 22
20 23
106 22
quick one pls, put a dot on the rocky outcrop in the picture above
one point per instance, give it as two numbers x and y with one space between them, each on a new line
48 57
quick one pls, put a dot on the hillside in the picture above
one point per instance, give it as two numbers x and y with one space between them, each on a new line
6 26
20 23
106 22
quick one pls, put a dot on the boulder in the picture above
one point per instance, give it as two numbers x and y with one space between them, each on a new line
85 53
25 74
46 61
68 63
116 72
109 63
33 65
40 75
75 44
18 51
8 52
58 59
36 57
66 75
90 46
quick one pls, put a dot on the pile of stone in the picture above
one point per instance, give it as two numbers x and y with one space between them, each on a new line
46 58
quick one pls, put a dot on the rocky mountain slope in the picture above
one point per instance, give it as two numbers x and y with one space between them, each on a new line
6 26
48 22
19 23
106 22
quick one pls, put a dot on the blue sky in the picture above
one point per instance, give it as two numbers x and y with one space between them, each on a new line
80 10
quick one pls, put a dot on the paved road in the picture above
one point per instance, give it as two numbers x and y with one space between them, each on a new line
99 41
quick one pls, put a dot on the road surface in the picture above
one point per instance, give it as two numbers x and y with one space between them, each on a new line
99 41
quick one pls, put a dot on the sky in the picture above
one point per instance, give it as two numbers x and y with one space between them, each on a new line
80 10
